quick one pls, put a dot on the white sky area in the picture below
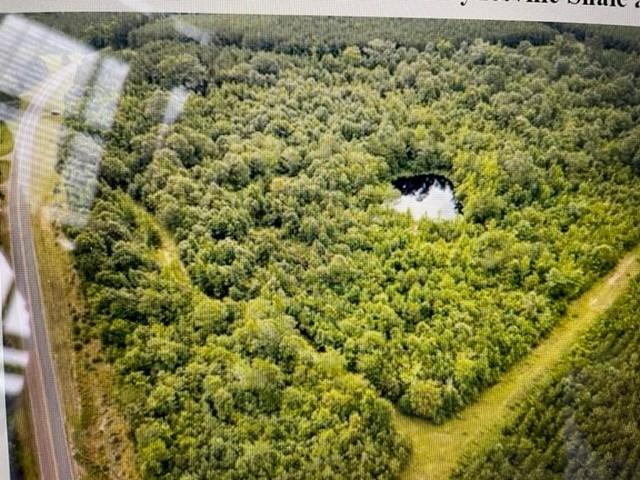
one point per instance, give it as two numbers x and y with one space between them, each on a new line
438 203
471 9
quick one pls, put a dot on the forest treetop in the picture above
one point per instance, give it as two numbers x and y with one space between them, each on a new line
305 308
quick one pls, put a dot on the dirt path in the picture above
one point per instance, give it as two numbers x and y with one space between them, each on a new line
437 448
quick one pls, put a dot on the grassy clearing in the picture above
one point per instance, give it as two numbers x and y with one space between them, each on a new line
167 253
43 176
437 448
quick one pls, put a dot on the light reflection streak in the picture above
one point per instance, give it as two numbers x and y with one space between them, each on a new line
75 99
172 111
191 31
102 104
24 48
175 105
79 179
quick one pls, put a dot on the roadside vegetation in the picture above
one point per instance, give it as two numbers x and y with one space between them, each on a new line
6 139
98 432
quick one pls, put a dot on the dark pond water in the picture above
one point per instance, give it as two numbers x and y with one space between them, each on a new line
428 195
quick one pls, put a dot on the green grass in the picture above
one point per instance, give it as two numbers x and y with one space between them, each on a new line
6 139
167 253
437 448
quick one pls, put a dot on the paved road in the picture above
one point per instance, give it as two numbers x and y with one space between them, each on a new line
47 414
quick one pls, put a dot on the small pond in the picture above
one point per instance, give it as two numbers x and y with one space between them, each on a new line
427 195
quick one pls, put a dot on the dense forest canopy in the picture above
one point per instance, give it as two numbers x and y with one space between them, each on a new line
281 33
584 422
307 308
296 34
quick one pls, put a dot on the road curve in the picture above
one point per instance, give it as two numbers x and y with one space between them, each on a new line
47 414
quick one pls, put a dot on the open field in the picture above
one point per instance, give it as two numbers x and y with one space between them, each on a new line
437 448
